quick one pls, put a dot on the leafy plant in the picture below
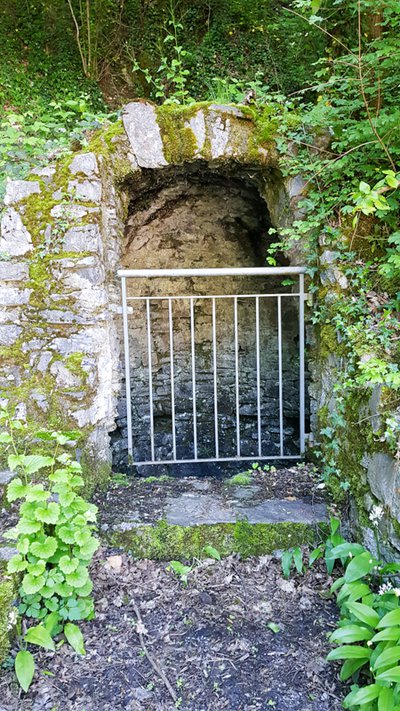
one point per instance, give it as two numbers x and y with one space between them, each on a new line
294 556
54 539
181 571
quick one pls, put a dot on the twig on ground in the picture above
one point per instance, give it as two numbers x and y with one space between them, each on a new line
150 658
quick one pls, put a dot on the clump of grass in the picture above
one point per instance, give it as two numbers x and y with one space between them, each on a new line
241 479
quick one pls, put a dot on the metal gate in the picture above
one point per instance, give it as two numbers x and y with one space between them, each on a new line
148 304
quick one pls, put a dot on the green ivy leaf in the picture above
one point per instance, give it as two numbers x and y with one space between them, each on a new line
44 549
24 669
16 490
40 636
75 638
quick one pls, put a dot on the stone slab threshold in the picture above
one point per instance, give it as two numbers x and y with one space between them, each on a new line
179 518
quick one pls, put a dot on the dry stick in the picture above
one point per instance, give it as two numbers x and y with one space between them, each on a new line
78 39
152 661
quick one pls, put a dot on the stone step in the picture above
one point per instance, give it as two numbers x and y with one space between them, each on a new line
176 518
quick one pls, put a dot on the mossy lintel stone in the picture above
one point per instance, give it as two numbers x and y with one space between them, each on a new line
164 541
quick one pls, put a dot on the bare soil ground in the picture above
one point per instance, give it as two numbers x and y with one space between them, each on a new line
210 640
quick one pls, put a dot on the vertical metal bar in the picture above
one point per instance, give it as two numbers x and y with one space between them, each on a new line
280 375
258 374
301 358
127 369
214 340
192 340
235 320
171 355
150 359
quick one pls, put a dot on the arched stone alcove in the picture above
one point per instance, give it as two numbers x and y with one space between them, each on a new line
190 183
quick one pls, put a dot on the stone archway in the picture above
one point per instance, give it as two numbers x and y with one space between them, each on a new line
64 235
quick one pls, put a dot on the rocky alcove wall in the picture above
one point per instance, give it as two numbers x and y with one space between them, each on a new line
67 229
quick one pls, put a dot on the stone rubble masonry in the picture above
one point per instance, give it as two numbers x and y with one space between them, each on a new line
60 334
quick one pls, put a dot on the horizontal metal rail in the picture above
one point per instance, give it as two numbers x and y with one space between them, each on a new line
217 353
212 272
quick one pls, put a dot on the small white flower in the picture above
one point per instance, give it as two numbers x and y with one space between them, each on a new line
376 514
369 643
386 587
396 592
12 619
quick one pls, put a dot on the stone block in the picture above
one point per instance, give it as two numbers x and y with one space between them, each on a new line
15 239
87 190
64 377
9 334
17 190
383 475
11 296
142 129
83 239
10 271
85 163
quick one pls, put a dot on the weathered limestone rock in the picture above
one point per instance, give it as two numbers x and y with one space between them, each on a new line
85 163
12 271
15 239
9 334
142 129
83 239
17 190
11 296
87 190
383 475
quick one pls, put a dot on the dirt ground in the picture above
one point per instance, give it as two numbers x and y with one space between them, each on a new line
209 642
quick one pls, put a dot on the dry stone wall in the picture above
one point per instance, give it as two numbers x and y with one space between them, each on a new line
63 238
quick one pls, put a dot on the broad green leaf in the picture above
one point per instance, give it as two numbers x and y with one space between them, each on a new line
388 656
32 584
364 613
351 633
298 559
349 652
392 675
315 555
37 568
49 513
75 638
354 591
16 490
51 622
350 667
24 525
23 545
66 498
5 437
391 634
40 636
15 460
86 589
337 584
16 564
86 551
44 549
34 462
36 492
344 549
386 699
366 694
24 669
390 619
82 536
78 578
67 564
286 562
359 566
66 533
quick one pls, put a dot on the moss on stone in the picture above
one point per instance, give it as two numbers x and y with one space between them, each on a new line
178 139
7 595
164 541
103 141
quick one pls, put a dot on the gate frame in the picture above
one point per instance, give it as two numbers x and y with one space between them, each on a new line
125 274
